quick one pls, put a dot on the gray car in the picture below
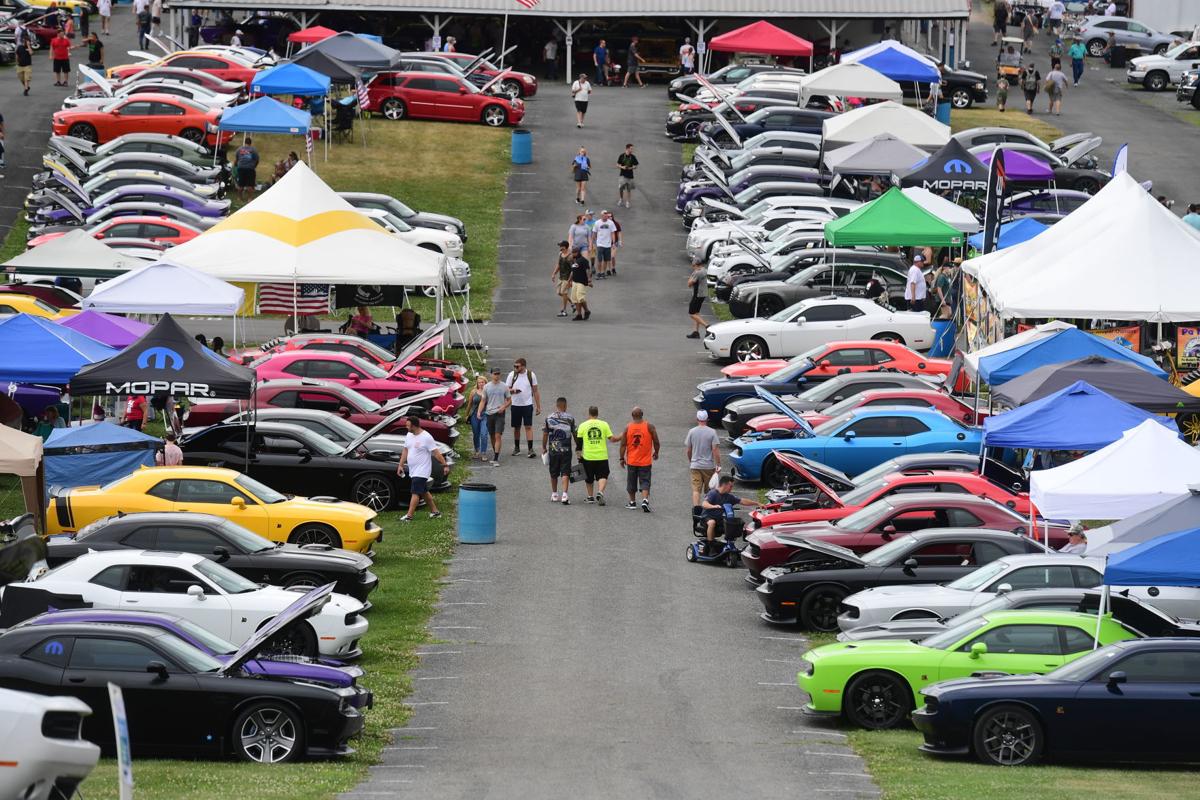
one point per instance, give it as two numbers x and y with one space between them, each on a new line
416 219
1129 32
823 271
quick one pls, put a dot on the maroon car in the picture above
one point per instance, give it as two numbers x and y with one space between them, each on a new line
884 520
47 292
328 396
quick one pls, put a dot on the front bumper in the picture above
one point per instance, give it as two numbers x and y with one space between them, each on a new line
1185 94
823 701
940 737
326 742
1135 76
367 582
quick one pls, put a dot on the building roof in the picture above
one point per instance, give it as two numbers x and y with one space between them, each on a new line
825 9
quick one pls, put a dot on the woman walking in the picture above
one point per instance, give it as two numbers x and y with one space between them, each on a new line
479 430
581 92
1031 83
1056 86
582 167
698 283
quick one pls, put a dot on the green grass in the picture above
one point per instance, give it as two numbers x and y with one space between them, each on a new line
1014 117
902 773
14 240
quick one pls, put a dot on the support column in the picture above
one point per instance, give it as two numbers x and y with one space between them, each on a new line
700 30
941 46
963 26
436 23
568 31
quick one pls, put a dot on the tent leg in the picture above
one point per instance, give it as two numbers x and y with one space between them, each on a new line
1100 612
503 41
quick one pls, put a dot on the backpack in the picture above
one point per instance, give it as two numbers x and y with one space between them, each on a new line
143 17
1030 83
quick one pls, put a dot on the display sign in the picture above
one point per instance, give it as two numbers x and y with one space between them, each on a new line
121 726
1187 347
1128 336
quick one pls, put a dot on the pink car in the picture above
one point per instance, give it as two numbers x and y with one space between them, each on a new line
350 370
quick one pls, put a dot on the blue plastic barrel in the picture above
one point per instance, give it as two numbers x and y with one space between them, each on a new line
477 513
522 146
943 113
944 334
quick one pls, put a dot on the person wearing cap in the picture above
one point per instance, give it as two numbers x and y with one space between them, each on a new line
496 400
914 285
560 276
236 39
703 453
1076 541
603 238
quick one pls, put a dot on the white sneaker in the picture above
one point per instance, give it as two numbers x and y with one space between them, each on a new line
554 497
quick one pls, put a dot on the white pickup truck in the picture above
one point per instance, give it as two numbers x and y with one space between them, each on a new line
1156 73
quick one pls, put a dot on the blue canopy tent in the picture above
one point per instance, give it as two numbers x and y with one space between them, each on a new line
1015 232
1068 345
896 61
36 350
1172 559
96 454
294 79
267 115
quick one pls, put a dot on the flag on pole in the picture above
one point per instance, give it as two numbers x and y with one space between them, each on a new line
360 89
308 145
528 3
997 190
283 298
1121 162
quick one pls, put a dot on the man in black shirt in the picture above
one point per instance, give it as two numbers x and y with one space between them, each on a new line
626 163
580 281
561 275
24 64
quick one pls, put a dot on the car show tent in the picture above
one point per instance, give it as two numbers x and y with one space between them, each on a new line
1020 167
1148 465
76 253
1066 345
891 219
21 455
37 350
971 360
1174 514
897 61
953 168
265 115
1121 379
850 80
880 155
294 79
1079 417
357 51
1172 559
96 454
166 286
762 38
312 35
1083 267
952 214
1012 233
906 124
110 329
338 71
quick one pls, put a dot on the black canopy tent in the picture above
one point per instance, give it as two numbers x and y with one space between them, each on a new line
338 71
1122 380
951 169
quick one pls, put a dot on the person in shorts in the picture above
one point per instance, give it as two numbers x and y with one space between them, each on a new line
581 171
245 160
24 65
698 283
639 451
703 449
560 276
591 441
526 402
581 93
496 400
419 452
627 162
60 54
558 440
604 235
581 280
633 63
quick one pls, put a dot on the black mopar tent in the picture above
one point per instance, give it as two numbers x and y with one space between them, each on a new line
1120 379
355 50
167 360
953 168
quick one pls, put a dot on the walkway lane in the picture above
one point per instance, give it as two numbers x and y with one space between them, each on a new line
581 656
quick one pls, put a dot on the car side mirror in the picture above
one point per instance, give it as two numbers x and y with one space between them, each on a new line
305 454
849 436
910 564
825 363
237 502
1116 679
462 90
888 530
1004 588
157 668
354 377
978 649
221 552
196 591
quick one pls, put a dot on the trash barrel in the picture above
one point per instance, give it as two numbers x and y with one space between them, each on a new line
1118 56
943 113
477 513
944 334
522 146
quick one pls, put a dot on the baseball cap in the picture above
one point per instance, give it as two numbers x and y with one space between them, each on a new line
702 415
918 258
495 370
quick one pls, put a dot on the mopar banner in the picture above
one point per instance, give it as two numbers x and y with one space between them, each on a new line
951 169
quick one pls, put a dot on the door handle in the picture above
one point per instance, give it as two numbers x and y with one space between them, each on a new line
76 680
131 601
1194 694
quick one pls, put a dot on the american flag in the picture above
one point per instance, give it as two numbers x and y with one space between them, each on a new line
363 96
529 3
279 298
308 144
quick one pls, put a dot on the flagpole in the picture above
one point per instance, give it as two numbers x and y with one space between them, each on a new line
504 40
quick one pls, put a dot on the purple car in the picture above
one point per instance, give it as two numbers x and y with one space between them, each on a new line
146 196
325 671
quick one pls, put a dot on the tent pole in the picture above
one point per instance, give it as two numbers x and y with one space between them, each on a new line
503 41
1100 612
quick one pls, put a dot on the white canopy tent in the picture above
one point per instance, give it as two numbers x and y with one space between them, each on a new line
165 287
907 124
1120 256
75 253
1147 466
850 80
971 360
952 214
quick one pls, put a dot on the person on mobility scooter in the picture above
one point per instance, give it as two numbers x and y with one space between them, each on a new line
717 509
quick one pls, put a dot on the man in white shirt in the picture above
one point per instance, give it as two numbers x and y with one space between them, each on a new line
1111 11
1054 15
419 451
914 286
687 57
550 57
603 237
526 401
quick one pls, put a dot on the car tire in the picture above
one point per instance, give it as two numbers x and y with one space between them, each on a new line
1008 736
877 700
85 131
393 108
749 348
888 336
819 609
35 43
773 473
961 98
1086 184
375 491
1162 48
268 733
300 640
1156 81
511 88
315 533
303 580
691 130
194 135
769 305
1095 48
493 117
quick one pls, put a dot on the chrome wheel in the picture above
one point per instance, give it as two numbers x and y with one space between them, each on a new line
374 491
316 534
511 88
749 348
267 735
960 98
194 135
494 116
877 700
393 108
1009 737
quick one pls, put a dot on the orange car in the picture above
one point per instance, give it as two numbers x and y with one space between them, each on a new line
154 229
141 113
224 67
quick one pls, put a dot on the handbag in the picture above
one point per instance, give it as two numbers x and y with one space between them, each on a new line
576 472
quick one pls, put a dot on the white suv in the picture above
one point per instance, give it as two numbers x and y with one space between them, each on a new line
1156 73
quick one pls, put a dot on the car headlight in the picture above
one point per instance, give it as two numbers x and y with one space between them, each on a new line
526 79
450 229
674 116
806 668
698 398
979 86
711 336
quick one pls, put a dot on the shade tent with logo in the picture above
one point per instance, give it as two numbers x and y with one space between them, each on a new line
1174 514
75 253
1021 168
110 329
880 155
952 214
317 33
1147 466
292 79
1121 379
36 350
357 51
1012 233
338 71
896 61
850 80
762 38
906 124
1079 417
953 168
167 360
166 286
1066 345
892 219
95 454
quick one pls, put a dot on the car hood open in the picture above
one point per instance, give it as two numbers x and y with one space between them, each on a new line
305 606
784 409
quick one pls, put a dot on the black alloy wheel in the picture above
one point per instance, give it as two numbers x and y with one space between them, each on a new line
819 609
315 533
1008 736
298 640
373 490
192 135
877 700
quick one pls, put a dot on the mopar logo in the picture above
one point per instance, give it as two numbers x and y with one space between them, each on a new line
158 357
177 388
957 166
951 185
53 649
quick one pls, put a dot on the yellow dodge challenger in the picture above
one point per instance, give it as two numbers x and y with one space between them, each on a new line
225 493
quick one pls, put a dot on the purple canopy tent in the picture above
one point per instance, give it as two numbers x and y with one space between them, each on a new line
1022 167
111 329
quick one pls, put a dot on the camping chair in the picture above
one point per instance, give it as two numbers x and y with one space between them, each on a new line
343 123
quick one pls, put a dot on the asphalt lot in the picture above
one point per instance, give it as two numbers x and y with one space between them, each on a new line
581 655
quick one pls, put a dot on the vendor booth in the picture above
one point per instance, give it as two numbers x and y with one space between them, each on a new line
906 124
95 454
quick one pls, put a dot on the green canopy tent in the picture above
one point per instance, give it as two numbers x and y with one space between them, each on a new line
892 219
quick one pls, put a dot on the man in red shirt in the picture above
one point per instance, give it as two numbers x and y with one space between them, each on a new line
135 412
60 52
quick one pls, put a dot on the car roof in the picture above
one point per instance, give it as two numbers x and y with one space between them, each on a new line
81 614
921 498
296 413
160 516
1036 559
300 383
959 533
416 73
320 355
90 627
1039 616
133 557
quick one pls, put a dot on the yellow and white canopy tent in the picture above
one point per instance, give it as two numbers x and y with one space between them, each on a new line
301 232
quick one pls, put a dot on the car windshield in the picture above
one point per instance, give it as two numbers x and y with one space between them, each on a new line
249 541
323 446
784 372
226 579
367 368
92 527
867 517
374 349
264 493
211 642
1174 52
843 406
188 655
805 275
331 426
940 641
829 427
886 554
972 581
789 312
392 219
861 493
1083 668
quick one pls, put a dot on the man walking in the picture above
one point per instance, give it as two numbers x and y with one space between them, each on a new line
246 161
698 283
633 63
627 162
592 438
24 65
914 286
603 237
526 401
600 60
419 451
60 55
639 451
581 280
1077 52
581 92
496 399
703 453
558 439
561 275
999 21
550 58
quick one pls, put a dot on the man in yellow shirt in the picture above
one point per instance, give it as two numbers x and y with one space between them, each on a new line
594 436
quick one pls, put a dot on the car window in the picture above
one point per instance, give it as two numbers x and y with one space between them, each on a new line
944 554
330 369
297 368
1190 53
166 110
877 426
281 444
910 426
198 491
162 580
55 651
951 488
285 400
445 85
898 401
138 109
987 552
1042 577
111 654
111 578
163 490
151 230
127 230
880 356
419 83
337 347
849 357
1076 640
1137 27
1158 667
1086 577
141 539
961 518
187 539
323 401
1019 640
